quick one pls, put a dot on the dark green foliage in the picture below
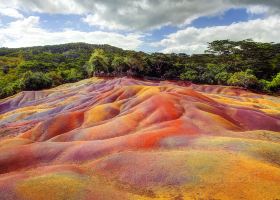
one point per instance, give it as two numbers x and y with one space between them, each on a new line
190 75
56 78
35 68
246 63
98 62
222 77
71 75
35 81
274 85
11 88
119 64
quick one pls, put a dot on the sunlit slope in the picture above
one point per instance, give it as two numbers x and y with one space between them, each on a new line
130 139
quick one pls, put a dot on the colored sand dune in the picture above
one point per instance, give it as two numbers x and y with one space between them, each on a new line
131 139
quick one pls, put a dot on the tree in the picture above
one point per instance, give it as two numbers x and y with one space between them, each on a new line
119 65
35 81
98 62
225 62
190 75
35 66
160 64
244 79
222 47
274 85
136 64
258 57
222 77
215 73
71 75
11 88
56 78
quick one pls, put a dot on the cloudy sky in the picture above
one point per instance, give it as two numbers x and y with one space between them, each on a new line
146 25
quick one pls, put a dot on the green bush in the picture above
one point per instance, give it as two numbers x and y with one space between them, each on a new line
72 75
264 85
275 83
190 75
244 79
11 88
222 77
34 66
36 81
56 78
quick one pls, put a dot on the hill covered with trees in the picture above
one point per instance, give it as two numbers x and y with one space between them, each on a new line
249 64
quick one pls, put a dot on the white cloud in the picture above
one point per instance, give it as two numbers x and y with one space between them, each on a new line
46 6
10 12
27 32
96 20
258 6
140 15
146 14
257 9
194 40
137 16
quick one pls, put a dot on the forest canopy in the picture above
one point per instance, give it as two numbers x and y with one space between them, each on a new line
248 64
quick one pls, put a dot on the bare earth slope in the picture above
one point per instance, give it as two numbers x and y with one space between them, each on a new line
130 139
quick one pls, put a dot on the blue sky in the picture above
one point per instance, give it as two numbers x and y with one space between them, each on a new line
146 25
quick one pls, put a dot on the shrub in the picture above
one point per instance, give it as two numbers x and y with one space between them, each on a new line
72 75
55 77
190 75
264 85
244 79
274 85
222 77
36 81
11 89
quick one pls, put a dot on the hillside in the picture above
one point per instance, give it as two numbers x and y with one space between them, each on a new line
41 67
125 138
248 64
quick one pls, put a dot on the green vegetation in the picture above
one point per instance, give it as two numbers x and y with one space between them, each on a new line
246 63
244 79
